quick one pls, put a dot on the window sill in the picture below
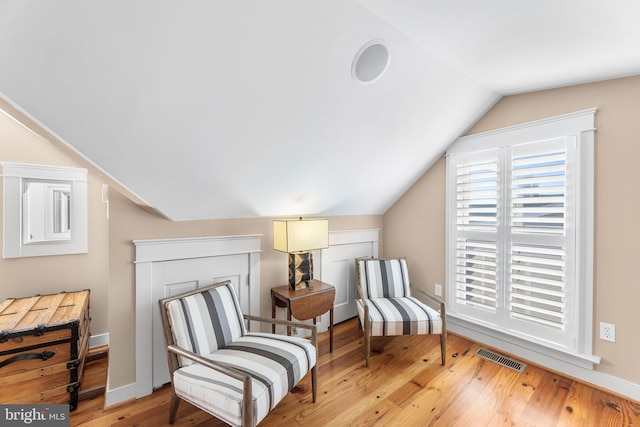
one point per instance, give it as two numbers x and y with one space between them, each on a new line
549 357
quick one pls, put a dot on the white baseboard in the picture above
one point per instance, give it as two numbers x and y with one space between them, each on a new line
98 340
598 379
120 394
117 395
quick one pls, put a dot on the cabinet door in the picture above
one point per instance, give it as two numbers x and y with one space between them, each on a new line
338 267
175 277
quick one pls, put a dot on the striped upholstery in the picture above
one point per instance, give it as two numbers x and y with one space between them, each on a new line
400 316
210 323
392 310
276 364
384 278
206 321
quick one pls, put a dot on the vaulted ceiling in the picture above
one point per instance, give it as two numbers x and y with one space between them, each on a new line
236 108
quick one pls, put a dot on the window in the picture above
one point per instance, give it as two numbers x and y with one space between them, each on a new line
45 210
520 232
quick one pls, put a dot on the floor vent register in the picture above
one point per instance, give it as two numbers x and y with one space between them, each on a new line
501 360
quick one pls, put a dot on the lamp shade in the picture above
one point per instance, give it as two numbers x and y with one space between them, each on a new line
300 235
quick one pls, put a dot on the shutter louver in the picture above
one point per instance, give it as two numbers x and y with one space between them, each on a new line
538 285
476 197
538 190
476 274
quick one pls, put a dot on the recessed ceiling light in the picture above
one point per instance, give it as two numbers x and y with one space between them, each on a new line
370 62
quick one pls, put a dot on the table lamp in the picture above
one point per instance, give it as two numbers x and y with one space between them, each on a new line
298 238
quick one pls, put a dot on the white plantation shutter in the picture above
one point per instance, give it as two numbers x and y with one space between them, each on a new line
538 189
476 274
539 232
476 195
477 226
537 285
514 217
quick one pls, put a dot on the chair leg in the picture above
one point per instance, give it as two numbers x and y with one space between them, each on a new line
173 406
314 382
443 347
367 342
367 349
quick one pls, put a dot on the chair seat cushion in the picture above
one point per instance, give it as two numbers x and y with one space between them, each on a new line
276 364
400 316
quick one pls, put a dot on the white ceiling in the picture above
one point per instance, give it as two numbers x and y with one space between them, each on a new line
236 108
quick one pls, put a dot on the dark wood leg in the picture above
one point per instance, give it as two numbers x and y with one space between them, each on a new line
367 348
173 406
273 314
367 336
314 381
331 330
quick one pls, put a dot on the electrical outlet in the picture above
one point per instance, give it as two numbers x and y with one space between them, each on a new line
438 290
607 332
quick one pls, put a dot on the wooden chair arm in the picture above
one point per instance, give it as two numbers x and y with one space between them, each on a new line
292 323
279 321
433 298
216 366
365 304
360 294
247 391
437 301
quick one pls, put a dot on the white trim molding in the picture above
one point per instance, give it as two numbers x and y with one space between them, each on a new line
119 395
537 130
98 340
347 237
195 247
17 216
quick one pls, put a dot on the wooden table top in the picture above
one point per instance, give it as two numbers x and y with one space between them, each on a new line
290 294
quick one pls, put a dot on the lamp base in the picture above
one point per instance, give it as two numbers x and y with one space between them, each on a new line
300 270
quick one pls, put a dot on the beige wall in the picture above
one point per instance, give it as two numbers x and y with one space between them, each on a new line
617 203
22 277
129 222
414 228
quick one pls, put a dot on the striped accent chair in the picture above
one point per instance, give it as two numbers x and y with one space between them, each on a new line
386 307
217 365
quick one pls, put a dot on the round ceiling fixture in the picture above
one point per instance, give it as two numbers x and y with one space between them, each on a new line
370 62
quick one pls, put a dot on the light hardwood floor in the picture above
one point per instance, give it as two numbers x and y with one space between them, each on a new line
405 386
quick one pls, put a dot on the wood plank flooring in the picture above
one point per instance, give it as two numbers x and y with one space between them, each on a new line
405 386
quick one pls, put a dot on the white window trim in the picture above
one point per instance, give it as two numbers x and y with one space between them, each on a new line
13 175
580 123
